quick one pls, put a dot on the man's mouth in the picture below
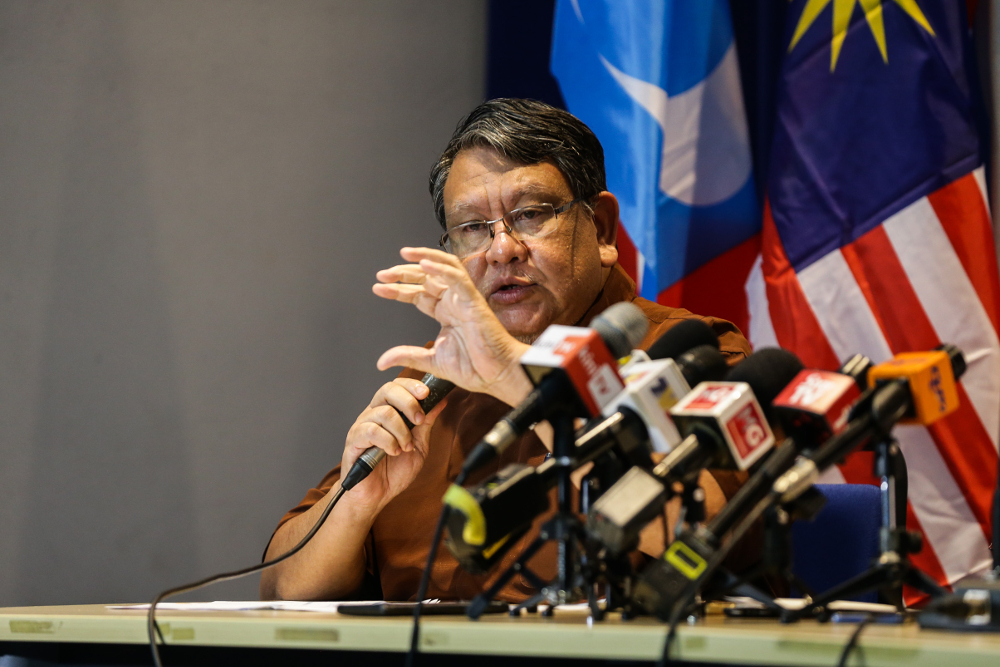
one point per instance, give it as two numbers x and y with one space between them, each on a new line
512 292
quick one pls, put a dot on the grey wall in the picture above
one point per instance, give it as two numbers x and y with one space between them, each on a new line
194 199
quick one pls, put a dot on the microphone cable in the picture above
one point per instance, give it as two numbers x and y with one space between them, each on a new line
682 604
425 578
853 641
153 629
362 467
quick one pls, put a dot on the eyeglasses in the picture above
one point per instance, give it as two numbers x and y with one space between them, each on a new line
528 222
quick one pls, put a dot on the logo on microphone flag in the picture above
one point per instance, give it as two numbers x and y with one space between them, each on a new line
658 83
877 239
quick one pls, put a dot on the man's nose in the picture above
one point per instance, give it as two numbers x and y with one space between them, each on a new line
504 248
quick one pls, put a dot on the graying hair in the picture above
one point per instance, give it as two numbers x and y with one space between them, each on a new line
527 132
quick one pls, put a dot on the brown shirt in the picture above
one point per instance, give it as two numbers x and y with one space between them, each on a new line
397 546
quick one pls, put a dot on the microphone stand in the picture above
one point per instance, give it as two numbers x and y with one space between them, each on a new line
564 528
893 568
776 555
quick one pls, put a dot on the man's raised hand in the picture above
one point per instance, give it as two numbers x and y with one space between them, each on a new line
473 349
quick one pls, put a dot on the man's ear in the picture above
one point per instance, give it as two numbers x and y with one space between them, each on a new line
606 222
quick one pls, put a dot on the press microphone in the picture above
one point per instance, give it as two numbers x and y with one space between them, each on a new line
573 369
688 353
490 517
725 427
912 387
365 463
811 408
678 339
816 405
653 387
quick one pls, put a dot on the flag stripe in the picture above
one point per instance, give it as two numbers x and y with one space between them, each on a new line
881 279
884 283
952 306
961 209
715 288
842 310
851 327
794 322
950 527
760 329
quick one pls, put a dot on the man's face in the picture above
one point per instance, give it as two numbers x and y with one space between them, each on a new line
533 283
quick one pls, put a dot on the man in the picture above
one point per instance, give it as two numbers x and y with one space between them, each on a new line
529 241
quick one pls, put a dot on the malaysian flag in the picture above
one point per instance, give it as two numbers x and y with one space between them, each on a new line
877 238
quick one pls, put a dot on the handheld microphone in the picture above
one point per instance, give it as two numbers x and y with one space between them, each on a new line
573 369
370 458
912 387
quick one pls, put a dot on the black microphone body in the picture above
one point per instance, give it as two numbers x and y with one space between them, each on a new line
365 463
489 518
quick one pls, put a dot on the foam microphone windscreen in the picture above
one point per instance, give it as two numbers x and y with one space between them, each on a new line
702 364
621 327
680 338
767 371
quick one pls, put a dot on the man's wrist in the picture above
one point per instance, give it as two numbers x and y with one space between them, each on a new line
513 385
359 509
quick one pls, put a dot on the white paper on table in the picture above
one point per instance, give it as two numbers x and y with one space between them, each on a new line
249 605
794 604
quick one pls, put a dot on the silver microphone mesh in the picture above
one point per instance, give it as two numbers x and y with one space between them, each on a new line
621 327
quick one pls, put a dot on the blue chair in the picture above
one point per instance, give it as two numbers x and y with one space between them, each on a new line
841 541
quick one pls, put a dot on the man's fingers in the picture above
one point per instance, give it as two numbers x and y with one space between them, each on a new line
404 398
421 432
454 277
372 434
398 291
446 271
435 287
412 385
403 273
440 256
410 356
426 303
433 414
388 418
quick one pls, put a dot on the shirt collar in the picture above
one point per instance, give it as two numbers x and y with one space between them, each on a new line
617 288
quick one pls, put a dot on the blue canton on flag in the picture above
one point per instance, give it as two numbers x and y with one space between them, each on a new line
856 144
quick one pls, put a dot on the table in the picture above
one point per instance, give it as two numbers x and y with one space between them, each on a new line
101 635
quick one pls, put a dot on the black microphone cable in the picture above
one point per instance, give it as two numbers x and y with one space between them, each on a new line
425 578
362 467
713 563
153 629
853 641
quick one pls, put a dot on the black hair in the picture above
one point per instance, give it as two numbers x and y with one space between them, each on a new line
528 132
